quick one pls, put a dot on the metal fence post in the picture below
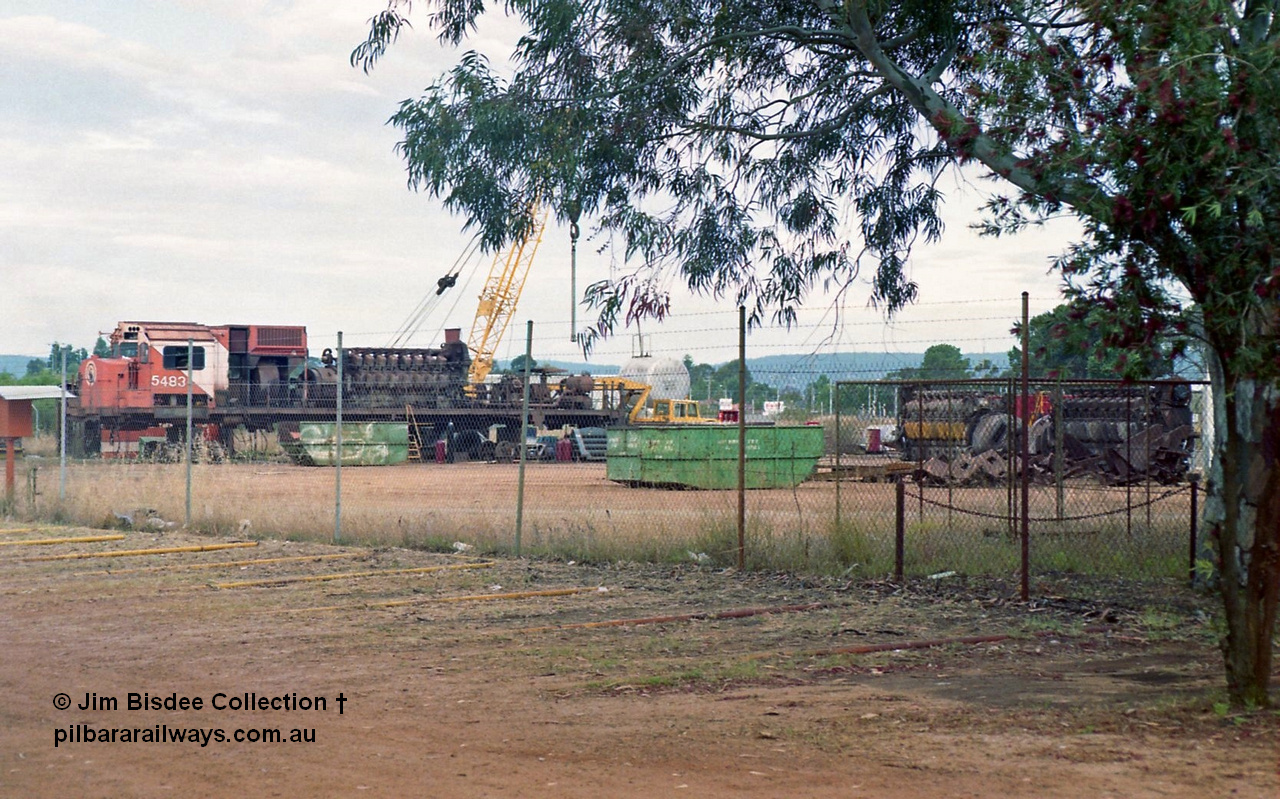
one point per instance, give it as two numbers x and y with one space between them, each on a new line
1128 466
1146 454
191 348
920 451
742 437
1024 449
1059 435
1195 522
521 436
899 530
952 450
1010 454
837 465
337 461
62 434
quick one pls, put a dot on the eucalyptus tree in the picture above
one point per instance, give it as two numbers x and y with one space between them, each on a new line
756 150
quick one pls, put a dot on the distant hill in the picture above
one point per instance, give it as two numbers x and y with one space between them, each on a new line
798 371
15 365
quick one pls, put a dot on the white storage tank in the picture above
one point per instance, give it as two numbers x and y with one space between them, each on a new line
669 378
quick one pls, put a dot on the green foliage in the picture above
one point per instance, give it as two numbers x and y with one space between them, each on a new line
724 145
43 377
941 362
1068 342
48 372
517 365
648 119
1158 121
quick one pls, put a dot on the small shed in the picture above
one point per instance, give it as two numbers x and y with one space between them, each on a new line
15 421
15 408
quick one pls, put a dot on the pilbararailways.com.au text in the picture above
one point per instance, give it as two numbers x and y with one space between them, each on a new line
164 734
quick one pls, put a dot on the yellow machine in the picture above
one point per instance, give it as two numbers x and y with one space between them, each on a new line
498 299
673 411
646 411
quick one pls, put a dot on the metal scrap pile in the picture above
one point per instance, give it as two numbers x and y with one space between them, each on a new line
1154 452
1121 433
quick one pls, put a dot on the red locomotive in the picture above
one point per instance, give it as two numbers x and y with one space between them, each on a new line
258 377
130 399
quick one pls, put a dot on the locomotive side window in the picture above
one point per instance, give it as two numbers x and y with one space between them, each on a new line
176 358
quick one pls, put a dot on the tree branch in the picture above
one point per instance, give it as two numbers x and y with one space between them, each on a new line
947 120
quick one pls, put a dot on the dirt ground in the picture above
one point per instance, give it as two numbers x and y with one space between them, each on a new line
539 679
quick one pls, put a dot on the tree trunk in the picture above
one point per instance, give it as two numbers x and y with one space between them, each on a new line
1242 514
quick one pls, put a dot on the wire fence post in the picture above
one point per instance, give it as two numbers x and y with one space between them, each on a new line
837 464
62 433
1010 453
952 449
521 437
1128 466
920 450
1024 450
191 349
742 437
1195 522
1059 441
899 529
337 461
1146 451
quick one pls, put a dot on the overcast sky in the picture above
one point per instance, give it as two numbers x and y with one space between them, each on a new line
219 161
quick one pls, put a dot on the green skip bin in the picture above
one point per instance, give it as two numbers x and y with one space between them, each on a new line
363 443
706 456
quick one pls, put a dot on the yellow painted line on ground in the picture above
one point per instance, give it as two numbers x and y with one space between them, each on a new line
396 603
84 539
320 578
226 564
130 553
16 530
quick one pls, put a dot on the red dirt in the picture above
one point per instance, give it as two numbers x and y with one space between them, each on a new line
462 699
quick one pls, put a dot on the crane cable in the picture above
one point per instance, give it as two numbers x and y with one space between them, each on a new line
426 306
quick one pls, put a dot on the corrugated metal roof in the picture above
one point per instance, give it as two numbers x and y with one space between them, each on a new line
32 392
171 330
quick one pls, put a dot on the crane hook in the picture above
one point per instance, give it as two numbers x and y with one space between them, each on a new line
445 282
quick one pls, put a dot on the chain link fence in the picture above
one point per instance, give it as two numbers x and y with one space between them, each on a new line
1101 473
863 478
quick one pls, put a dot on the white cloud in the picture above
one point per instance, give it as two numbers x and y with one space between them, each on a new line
220 159
100 140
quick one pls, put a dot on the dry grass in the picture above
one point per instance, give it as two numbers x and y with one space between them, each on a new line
571 511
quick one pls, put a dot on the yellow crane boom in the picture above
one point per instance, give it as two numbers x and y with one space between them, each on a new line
498 298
